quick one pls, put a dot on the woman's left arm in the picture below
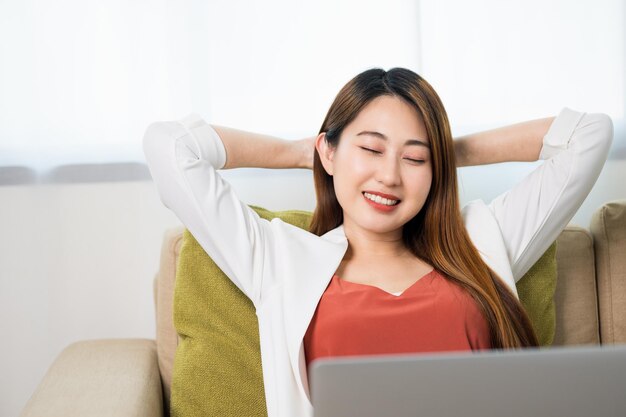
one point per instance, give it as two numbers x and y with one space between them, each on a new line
532 214
517 142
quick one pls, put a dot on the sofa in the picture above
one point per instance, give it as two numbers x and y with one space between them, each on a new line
132 377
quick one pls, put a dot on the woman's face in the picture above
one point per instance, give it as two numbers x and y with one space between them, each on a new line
384 152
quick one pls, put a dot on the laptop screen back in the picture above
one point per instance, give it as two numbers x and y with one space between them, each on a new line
563 381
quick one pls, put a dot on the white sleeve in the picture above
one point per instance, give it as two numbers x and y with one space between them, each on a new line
183 157
532 214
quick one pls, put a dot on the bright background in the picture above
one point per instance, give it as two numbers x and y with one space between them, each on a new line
80 81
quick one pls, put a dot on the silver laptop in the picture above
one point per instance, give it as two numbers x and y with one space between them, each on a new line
580 381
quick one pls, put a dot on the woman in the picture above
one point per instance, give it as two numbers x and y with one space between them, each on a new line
389 248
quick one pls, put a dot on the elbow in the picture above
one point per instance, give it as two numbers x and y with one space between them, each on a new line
149 135
159 141
603 130
154 137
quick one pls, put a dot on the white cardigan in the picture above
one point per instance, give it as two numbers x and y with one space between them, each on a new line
284 270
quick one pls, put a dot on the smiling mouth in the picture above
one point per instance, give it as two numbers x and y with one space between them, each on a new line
380 200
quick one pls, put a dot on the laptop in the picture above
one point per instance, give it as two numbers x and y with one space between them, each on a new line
579 381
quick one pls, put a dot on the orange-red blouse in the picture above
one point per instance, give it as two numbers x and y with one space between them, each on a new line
432 315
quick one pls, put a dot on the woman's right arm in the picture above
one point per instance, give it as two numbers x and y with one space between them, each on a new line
183 157
253 150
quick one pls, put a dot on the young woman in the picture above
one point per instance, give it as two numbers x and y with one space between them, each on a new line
391 263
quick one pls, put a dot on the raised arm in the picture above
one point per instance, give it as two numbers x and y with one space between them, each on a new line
517 142
254 150
183 157
531 215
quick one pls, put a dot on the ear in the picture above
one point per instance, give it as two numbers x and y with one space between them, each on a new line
326 152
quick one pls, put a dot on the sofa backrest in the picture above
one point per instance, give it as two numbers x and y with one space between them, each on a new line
166 336
575 298
608 228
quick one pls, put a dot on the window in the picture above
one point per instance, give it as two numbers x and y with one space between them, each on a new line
81 80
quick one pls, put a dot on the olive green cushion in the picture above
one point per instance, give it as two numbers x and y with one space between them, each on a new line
536 293
217 365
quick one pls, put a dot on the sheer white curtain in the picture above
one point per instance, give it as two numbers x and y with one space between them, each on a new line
495 63
80 80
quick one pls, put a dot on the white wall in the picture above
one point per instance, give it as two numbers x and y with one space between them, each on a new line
77 260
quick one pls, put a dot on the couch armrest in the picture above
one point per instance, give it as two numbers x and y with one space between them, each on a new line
113 377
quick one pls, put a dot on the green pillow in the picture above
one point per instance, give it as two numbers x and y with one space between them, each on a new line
536 293
217 365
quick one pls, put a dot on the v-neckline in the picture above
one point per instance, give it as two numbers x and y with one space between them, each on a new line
342 281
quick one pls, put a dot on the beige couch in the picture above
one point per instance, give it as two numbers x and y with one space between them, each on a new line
131 377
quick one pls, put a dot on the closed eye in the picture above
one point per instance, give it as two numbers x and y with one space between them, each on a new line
414 161
369 150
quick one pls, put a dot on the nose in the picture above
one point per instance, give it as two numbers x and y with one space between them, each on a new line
388 171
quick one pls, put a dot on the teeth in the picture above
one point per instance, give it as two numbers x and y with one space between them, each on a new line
380 200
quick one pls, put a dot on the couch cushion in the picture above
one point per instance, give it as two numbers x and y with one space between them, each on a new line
536 293
217 365
575 296
608 227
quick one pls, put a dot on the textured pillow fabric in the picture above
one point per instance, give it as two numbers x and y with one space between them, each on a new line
536 293
217 365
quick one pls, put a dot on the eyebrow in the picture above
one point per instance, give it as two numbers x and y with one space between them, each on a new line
383 137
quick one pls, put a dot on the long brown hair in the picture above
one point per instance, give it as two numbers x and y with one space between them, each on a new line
437 233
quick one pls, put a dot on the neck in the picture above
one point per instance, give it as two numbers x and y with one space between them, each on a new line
367 245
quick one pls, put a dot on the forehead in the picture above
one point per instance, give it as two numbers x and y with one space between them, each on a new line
392 117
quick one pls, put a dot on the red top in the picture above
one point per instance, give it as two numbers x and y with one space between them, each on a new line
434 314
